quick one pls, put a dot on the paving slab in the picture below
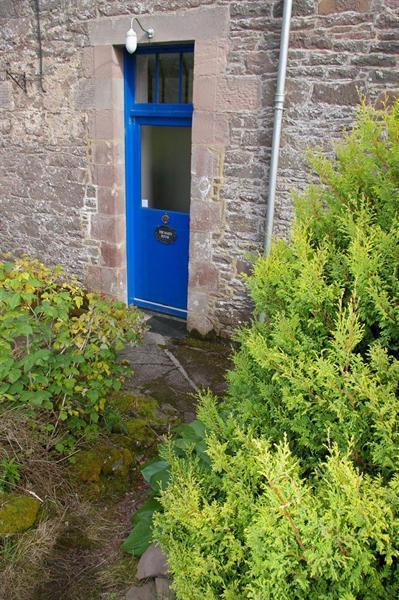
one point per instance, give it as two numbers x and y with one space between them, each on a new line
172 367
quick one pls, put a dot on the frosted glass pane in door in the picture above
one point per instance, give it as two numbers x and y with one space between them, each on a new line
166 167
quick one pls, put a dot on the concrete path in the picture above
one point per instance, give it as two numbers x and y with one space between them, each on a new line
172 367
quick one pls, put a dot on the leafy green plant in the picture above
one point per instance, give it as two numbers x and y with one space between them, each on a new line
188 440
58 346
301 500
9 474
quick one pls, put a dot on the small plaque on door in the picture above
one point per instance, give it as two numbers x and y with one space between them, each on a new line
165 234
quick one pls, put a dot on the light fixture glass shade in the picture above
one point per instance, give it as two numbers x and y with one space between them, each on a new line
131 41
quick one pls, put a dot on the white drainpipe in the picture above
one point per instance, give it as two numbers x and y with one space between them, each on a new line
278 115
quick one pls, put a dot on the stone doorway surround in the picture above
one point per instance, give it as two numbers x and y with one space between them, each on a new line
101 95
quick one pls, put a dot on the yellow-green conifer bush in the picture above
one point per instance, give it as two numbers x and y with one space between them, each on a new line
301 498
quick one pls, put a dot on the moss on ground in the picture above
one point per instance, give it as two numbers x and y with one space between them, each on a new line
137 430
134 405
17 513
74 550
104 469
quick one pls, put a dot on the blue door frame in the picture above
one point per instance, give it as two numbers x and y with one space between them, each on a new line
157 273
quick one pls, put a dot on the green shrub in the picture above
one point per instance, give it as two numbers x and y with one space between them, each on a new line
58 345
302 497
188 440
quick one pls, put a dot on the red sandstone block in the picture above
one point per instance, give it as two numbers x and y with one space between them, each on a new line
104 125
108 228
109 280
235 94
103 152
210 57
105 175
113 255
87 62
205 93
203 275
203 128
200 245
222 129
205 216
347 94
111 200
327 7
198 302
105 62
205 160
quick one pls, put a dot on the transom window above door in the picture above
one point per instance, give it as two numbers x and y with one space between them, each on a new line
164 74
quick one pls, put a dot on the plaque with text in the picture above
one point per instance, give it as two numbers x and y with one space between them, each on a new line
165 234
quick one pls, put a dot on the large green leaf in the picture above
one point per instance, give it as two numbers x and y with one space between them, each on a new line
139 539
141 536
146 511
198 427
153 467
159 481
194 431
184 444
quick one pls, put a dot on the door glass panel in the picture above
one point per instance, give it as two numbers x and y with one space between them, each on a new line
165 167
187 77
145 78
168 85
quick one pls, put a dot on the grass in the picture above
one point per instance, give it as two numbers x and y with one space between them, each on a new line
74 551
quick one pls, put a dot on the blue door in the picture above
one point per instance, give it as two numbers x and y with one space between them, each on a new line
158 114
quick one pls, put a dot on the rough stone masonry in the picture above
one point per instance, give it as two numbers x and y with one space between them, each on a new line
61 152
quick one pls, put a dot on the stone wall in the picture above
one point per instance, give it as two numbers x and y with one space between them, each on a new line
61 152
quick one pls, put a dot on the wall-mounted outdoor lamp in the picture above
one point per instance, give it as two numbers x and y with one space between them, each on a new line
131 36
